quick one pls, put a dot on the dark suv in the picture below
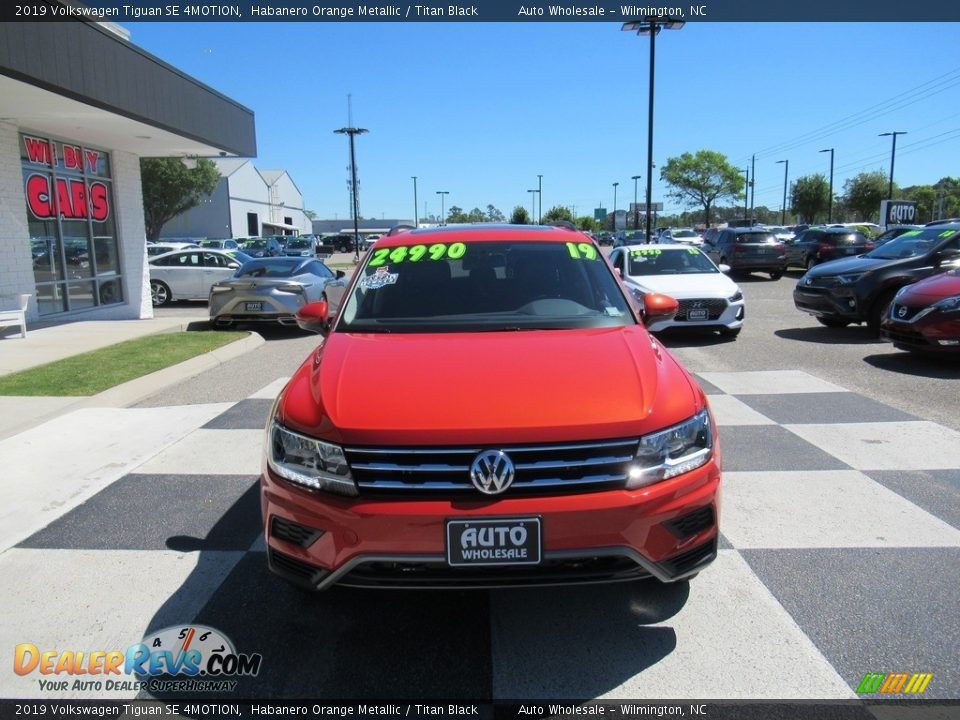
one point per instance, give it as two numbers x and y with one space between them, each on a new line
341 243
263 247
858 289
816 245
748 250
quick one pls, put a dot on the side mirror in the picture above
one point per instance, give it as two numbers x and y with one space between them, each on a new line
618 272
657 307
314 317
340 274
946 255
233 266
724 268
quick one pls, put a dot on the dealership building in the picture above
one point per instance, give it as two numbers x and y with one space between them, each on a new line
79 106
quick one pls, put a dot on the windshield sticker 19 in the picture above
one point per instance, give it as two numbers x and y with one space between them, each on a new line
416 253
581 251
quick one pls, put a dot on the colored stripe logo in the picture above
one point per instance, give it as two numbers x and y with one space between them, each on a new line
894 683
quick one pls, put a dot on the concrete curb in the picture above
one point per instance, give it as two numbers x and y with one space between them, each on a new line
133 391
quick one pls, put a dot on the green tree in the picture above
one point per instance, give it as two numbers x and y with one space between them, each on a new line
558 213
702 179
455 215
810 197
520 216
476 216
494 215
311 215
171 188
587 223
863 194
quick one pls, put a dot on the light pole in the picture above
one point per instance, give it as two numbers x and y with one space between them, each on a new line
636 208
351 132
783 208
651 25
615 206
893 155
540 199
830 203
416 216
533 204
443 196
746 191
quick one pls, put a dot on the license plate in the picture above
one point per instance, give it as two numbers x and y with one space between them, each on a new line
253 307
697 314
500 541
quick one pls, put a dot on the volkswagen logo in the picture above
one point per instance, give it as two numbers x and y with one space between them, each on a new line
902 311
492 472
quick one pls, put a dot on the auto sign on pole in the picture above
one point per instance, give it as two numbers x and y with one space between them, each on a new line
898 212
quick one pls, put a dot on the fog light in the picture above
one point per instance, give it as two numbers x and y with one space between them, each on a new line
949 342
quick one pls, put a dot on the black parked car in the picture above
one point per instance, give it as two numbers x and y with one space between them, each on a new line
748 250
859 289
341 243
263 247
817 245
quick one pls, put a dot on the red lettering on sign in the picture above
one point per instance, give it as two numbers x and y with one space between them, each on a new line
38 196
72 157
93 157
38 151
75 201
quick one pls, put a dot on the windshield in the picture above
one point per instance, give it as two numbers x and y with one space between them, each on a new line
911 244
484 286
298 244
684 234
763 238
276 267
657 261
255 245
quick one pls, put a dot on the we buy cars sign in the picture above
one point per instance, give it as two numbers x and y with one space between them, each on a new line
71 198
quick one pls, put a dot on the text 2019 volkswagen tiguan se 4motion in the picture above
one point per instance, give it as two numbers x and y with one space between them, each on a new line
488 409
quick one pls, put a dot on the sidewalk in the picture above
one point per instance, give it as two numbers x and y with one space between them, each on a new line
55 342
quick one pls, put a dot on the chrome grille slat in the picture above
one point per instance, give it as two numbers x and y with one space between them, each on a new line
564 467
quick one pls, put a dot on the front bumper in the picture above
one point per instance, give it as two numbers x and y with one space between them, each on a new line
730 317
834 302
934 333
666 531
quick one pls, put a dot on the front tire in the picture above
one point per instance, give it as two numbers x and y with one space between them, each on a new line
160 293
811 262
875 316
776 274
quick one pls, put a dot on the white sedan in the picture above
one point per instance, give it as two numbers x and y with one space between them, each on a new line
708 298
189 274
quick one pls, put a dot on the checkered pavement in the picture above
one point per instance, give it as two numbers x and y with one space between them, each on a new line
839 556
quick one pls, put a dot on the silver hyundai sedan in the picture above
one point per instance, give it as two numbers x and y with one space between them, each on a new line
273 290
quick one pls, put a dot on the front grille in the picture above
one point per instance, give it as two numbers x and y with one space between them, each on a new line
560 468
908 312
713 306
905 336
549 572
292 532
689 525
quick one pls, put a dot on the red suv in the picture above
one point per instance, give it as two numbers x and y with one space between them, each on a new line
452 430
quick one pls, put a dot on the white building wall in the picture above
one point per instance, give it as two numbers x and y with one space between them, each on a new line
292 199
16 270
248 193
209 219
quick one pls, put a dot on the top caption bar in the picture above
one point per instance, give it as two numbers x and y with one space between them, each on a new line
731 11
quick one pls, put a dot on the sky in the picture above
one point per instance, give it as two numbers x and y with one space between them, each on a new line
481 109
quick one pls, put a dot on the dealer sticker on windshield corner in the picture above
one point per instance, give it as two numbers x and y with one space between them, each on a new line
494 541
379 279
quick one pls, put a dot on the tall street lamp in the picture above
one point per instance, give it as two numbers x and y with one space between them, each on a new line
830 204
351 132
746 190
615 206
443 196
636 208
651 25
533 204
540 200
893 155
783 208
416 215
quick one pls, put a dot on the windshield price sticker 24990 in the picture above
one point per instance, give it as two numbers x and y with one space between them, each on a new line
416 253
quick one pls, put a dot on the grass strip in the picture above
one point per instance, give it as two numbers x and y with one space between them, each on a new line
99 370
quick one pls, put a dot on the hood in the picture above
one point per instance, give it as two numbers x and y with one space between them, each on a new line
496 387
687 286
931 290
847 266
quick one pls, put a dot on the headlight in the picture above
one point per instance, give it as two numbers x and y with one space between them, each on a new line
950 304
672 452
310 462
736 297
850 279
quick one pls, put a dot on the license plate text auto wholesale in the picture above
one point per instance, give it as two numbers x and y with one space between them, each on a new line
252 307
500 541
697 314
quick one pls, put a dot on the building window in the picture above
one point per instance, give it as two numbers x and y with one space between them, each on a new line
73 235
253 225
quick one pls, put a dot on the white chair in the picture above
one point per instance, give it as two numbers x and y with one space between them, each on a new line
17 315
